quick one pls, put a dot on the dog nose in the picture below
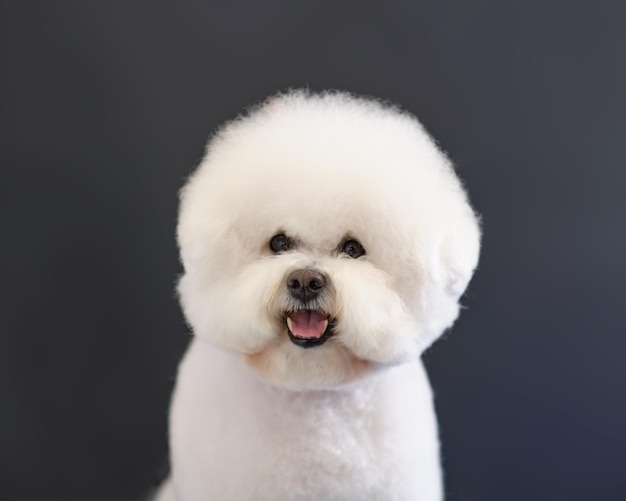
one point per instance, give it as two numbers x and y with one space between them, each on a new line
306 284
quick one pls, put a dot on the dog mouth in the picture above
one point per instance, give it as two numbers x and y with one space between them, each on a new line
308 328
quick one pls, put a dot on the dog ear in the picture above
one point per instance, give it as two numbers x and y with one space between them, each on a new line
459 256
452 265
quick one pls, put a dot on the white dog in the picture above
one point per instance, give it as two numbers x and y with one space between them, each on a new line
326 242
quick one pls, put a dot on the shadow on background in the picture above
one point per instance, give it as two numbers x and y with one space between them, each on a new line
106 108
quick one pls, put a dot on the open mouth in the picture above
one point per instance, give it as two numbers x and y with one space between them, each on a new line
308 328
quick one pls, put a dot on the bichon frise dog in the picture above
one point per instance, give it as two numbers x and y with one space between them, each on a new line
325 242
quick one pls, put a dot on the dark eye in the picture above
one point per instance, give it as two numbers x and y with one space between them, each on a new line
353 249
280 243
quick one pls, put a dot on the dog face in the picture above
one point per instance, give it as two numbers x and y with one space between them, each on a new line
324 237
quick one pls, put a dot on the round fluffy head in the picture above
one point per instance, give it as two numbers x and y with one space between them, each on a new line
324 236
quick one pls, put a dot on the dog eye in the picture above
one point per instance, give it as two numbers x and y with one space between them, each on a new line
353 249
280 243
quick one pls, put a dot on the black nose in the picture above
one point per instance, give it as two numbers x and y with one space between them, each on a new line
306 284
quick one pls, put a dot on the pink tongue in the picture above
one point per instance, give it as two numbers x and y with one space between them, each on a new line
308 324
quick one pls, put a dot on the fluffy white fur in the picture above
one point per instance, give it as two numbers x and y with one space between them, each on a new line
257 417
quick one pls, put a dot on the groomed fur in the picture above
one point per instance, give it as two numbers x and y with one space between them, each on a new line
321 170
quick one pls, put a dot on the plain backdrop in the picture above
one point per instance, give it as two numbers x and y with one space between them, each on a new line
106 108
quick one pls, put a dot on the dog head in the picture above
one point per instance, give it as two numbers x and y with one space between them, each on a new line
324 237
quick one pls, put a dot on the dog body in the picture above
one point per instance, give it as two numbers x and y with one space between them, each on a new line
326 242
375 438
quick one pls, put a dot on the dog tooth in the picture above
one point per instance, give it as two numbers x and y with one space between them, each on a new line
289 326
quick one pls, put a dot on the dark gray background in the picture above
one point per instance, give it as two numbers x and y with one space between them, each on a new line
106 107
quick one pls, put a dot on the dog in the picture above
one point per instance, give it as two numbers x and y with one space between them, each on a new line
326 242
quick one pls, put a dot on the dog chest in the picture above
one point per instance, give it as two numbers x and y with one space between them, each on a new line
236 437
